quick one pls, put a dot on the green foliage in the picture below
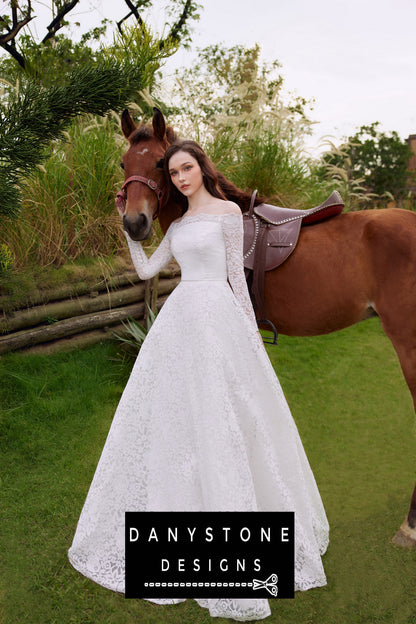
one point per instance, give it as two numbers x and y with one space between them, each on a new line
340 175
231 87
6 259
36 284
181 13
38 115
135 333
51 62
68 203
372 165
51 58
254 157
236 107
45 85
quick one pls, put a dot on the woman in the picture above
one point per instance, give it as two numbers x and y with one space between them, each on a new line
202 424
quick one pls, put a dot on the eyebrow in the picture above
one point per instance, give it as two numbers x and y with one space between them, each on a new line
188 162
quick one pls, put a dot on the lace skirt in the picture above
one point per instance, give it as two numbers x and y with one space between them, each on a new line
202 425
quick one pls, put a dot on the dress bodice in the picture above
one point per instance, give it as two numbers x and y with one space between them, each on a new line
207 247
199 248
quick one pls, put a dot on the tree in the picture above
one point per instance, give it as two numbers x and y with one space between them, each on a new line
378 161
18 14
51 82
37 115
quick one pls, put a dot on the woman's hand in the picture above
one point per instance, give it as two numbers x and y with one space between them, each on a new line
121 203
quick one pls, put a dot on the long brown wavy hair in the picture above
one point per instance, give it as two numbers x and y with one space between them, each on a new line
209 172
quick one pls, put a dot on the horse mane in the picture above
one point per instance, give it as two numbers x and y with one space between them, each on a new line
145 133
142 133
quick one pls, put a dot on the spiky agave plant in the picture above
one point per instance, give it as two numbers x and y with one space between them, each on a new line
135 333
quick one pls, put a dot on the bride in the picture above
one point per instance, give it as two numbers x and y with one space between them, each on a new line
202 424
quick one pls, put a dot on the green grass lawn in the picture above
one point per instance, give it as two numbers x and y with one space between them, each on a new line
355 418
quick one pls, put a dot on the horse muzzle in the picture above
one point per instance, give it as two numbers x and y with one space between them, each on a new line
138 226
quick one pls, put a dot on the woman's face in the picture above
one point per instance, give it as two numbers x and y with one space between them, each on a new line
185 173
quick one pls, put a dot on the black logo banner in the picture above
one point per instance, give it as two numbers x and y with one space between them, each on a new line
210 554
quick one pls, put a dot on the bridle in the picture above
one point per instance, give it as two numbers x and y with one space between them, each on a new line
121 196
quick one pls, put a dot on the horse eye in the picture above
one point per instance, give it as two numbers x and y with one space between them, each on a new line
122 165
159 164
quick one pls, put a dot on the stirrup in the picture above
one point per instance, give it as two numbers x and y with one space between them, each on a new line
272 328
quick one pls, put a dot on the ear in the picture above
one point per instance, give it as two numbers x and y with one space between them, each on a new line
127 123
159 126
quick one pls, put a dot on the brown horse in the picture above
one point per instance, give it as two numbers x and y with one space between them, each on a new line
343 270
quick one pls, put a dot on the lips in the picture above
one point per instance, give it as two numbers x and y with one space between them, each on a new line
184 187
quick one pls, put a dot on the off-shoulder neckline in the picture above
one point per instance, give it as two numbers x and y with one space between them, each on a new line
206 214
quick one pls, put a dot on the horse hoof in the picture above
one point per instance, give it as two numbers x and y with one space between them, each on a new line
405 536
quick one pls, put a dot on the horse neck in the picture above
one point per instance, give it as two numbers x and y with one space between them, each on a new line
169 213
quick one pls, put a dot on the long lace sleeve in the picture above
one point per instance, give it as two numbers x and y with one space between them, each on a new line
148 267
232 225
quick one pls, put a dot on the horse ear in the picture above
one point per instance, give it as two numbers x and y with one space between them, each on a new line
127 123
159 125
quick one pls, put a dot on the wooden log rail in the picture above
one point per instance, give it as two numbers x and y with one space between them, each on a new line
85 318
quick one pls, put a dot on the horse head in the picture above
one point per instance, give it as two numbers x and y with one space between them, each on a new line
144 179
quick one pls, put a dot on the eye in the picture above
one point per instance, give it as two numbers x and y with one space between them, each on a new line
188 167
159 164
122 165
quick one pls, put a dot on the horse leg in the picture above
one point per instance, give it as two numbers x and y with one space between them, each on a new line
406 535
406 351
391 241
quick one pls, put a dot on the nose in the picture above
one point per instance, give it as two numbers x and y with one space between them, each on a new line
137 226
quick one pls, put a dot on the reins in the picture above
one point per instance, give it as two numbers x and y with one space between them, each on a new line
121 196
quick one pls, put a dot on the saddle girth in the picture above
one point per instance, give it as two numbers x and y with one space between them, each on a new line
259 270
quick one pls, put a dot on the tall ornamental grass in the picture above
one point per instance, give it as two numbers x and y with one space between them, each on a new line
236 107
68 205
255 157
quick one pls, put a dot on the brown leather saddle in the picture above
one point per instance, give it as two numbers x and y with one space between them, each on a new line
270 236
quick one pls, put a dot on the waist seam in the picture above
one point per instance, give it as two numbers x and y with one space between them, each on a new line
204 280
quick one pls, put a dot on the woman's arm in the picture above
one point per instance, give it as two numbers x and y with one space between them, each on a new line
148 267
232 224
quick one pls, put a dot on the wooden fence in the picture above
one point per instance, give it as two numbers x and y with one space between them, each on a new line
78 315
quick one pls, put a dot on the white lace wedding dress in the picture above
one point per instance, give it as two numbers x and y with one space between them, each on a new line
202 424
